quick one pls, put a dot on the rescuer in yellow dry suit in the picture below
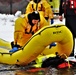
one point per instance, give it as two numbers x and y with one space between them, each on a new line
43 7
25 27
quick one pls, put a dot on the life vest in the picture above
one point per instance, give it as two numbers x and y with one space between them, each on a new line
73 4
69 3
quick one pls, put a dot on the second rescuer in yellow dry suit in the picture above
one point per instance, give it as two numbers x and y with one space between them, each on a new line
25 27
43 7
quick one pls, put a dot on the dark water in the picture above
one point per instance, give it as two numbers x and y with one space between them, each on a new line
13 70
51 71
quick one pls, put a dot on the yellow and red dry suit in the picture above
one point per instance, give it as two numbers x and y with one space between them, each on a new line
43 7
22 29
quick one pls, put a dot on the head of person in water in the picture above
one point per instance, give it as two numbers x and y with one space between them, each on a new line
34 18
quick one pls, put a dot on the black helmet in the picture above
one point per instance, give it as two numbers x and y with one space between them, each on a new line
36 1
34 15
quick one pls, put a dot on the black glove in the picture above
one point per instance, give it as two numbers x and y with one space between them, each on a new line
16 45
